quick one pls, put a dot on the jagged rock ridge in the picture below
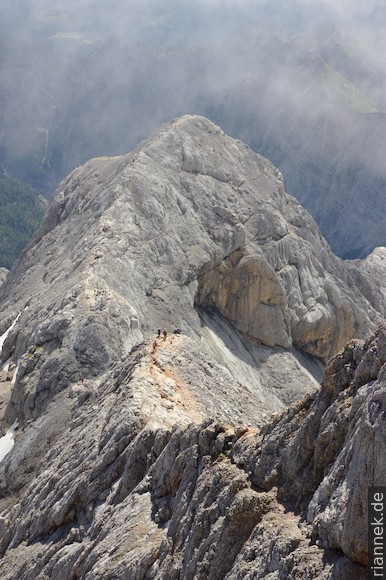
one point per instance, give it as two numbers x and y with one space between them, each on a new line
191 229
131 497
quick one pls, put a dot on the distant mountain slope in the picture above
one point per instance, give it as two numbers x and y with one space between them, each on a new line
21 211
341 51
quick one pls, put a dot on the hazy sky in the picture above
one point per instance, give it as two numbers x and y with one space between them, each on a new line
76 29
180 21
365 17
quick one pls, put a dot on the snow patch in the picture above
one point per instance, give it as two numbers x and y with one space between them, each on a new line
5 366
14 374
8 440
5 334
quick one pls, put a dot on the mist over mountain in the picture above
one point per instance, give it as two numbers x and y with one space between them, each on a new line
303 85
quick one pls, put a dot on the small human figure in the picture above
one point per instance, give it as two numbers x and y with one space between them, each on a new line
159 333
165 333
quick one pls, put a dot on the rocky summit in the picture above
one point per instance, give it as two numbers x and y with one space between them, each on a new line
209 451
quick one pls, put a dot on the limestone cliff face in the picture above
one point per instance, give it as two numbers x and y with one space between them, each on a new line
191 230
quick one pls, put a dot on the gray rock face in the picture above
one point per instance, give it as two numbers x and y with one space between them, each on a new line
117 429
191 221
325 454
132 496
374 267
191 216
3 275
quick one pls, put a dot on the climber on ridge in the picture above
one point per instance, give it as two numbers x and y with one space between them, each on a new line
165 333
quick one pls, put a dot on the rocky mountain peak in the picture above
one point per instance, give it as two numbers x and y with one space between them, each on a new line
190 223
179 214
190 231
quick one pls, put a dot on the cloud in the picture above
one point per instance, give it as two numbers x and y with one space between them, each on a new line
137 16
83 78
97 69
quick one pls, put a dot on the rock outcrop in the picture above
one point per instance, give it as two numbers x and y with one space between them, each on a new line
3 275
120 430
132 496
374 268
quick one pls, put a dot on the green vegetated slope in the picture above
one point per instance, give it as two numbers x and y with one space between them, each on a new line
339 86
21 210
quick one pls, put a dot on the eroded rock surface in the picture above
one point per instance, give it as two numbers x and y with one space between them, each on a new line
134 495
374 268
191 216
132 458
3 275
